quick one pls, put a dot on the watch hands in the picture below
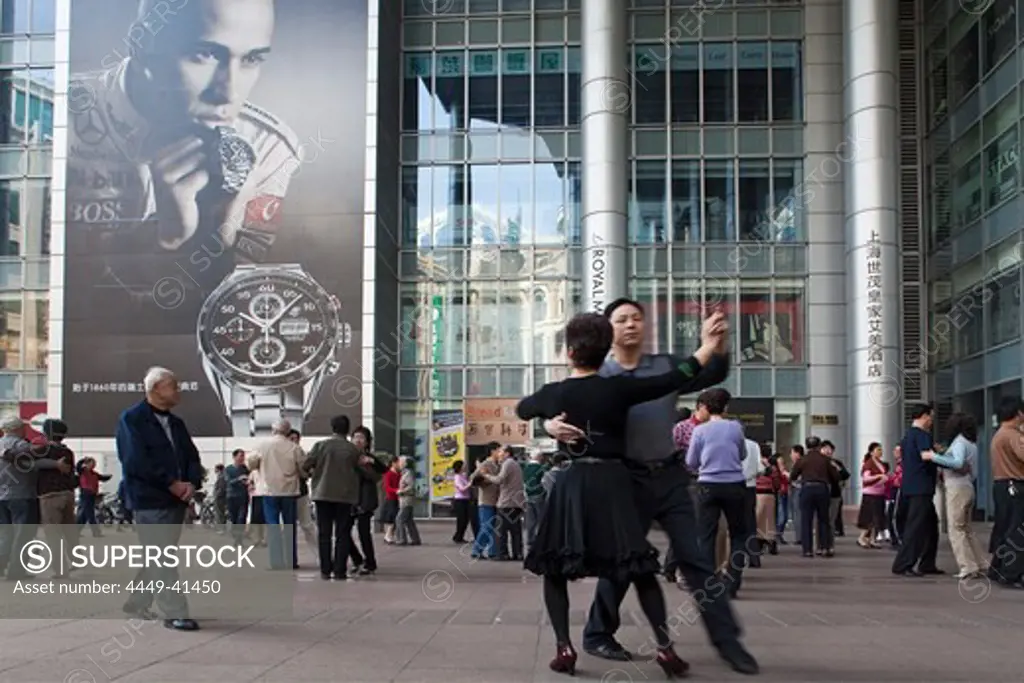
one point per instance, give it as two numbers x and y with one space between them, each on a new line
283 310
254 321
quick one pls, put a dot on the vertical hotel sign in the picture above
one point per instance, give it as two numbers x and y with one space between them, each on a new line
874 306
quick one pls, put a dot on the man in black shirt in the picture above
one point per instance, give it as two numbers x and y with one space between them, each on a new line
916 556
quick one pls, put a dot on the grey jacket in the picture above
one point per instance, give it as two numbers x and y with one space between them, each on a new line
333 465
488 492
19 474
407 488
512 493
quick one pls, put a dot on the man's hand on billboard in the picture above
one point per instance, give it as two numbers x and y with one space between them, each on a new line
179 173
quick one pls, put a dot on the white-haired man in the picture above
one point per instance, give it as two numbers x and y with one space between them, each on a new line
161 470
280 461
19 504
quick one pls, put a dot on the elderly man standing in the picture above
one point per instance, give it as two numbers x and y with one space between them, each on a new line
280 461
19 504
161 470
511 498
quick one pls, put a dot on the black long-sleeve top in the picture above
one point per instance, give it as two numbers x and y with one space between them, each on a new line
600 405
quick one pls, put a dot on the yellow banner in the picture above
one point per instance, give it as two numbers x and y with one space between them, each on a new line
447 444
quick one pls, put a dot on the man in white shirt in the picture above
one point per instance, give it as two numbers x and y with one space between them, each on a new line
279 462
751 468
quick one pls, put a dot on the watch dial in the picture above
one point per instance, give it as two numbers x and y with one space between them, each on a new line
270 329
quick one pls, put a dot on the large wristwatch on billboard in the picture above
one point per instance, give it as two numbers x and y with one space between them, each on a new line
268 336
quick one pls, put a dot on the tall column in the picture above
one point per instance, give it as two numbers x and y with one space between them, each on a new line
824 147
872 224
605 105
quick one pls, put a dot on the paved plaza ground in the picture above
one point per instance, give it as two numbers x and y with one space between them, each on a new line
433 614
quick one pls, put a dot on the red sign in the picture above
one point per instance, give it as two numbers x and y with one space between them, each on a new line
33 412
264 210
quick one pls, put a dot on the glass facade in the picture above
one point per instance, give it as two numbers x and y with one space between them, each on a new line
490 263
973 69
26 137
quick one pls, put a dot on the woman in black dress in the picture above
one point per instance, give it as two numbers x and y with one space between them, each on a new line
590 525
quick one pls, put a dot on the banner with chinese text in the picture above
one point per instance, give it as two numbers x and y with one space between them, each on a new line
447 444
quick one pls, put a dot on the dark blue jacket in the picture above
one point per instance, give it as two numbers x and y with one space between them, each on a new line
919 476
150 463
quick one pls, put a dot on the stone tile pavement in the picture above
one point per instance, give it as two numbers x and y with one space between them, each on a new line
432 614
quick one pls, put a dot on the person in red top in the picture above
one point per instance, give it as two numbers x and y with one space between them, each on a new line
782 507
89 484
389 511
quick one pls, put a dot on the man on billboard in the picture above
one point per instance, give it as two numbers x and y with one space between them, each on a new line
165 150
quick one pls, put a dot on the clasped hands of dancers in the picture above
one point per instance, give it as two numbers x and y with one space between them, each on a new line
590 525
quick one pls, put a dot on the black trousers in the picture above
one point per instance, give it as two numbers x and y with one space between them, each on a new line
733 501
461 508
334 523
814 502
367 558
921 535
1007 541
509 530
474 517
663 495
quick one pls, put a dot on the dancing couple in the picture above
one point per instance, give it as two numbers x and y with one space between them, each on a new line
591 525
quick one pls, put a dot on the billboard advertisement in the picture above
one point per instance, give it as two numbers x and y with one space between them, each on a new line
214 209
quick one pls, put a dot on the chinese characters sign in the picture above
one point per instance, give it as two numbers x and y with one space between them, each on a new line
494 419
874 306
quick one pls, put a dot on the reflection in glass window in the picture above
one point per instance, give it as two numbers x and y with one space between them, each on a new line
967 192
1003 308
483 87
752 81
416 98
480 226
685 94
515 88
787 218
999 26
574 84
417 225
10 330
516 196
653 296
719 201
687 318
650 89
549 203
968 327
755 323
514 336
647 218
686 201
787 91
43 16
964 63
14 16
787 330
574 194
718 87
450 90
755 189
938 344
414 344
482 324
549 85
1001 169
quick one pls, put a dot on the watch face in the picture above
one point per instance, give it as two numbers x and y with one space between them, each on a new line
271 328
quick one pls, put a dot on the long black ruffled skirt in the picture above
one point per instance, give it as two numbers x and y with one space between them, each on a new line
590 526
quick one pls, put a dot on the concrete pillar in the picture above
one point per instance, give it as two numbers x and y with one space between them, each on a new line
872 220
606 102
